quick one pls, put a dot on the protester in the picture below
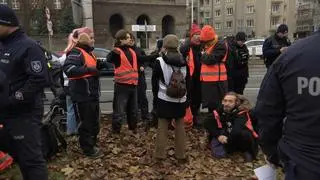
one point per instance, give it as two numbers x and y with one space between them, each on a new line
288 113
276 44
171 102
191 50
213 74
81 69
230 128
23 75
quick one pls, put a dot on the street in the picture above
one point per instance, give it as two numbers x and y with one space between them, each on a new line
256 71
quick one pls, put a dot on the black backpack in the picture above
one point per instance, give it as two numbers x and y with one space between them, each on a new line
177 87
52 138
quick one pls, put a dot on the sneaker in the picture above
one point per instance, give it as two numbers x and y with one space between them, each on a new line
95 154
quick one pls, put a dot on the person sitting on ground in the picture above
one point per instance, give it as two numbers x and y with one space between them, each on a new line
230 128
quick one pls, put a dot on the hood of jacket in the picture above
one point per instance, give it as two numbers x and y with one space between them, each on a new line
174 59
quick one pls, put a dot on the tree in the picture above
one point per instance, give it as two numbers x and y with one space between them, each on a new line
67 23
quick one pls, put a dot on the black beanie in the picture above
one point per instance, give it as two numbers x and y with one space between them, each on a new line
282 28
241 36
8 16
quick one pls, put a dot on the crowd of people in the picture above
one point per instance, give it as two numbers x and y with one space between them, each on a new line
203 72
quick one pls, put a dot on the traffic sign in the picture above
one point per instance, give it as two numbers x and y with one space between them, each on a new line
143 28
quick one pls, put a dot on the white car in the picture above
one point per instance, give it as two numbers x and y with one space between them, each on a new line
255 47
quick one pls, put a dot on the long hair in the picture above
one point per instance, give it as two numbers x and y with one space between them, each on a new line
75 35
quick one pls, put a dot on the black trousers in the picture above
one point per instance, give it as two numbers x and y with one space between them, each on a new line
212 94
237 84
242 141
125 106
195 98
88 114
21 138
142 97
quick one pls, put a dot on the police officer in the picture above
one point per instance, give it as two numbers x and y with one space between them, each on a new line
24 74
276 44
288 111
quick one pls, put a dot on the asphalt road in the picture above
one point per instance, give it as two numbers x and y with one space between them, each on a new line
256 71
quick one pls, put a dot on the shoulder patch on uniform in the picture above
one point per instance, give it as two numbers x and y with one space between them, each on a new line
36 66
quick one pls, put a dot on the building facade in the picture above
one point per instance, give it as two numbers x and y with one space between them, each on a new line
109 16
308 17
257 18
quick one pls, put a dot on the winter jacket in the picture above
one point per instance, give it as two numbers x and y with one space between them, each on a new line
238 61
84 89
165 109
24 74
287 106
271 48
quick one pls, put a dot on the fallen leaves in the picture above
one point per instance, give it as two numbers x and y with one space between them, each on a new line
130 156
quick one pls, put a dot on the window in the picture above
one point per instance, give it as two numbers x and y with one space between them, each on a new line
250 9
275 8
217 26
207 14
274 21
15 4
250 23
217 1
229 24
4 2
218 13
228 1
201 2
229 11
57 4
207 2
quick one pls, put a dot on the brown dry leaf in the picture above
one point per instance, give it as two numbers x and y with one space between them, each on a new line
133 169
67 170
116 150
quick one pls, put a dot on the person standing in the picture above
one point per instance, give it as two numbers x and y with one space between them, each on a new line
238 56
288 113
191 50
23 76
81 69
169 107
125 102
213 74
276 44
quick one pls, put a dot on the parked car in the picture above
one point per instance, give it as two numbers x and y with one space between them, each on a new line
255 47
101 55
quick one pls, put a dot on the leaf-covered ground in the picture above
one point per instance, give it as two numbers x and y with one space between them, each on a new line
130 156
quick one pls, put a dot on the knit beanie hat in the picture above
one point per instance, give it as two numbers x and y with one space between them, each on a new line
241 36
170 41
8 16
283 28
208 33
194 30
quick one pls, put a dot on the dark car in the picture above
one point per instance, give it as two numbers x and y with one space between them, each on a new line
101 55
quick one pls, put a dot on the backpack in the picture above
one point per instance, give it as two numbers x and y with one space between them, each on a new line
52 138
177 87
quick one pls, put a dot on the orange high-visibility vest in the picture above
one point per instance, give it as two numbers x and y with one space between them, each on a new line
191 62
216 72
126 73
89 61
248 123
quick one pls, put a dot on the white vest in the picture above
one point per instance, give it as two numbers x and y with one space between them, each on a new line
167 72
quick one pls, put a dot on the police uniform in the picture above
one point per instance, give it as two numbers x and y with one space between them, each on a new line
288 113
24 75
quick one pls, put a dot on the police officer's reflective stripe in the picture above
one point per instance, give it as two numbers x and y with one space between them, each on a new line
49 65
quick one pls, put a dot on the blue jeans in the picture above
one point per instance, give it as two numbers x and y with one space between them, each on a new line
72 126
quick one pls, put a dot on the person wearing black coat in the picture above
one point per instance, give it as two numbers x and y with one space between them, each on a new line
288 113
238 60
275 45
